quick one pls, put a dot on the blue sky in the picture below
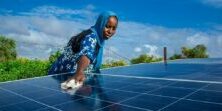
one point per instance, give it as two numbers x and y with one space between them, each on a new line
145 25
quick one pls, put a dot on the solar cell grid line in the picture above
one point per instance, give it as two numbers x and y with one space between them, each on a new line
168 92
211 90
23 101
202 104
114 85
143 93
188 88
119 103
182 70
76 94
182 98
210 96
196 87
170 79
7 100
122 89
75 105
214 87
124 108
30 99
204 101
71 101
123 84
112 103
57 90
133 98
148 93
188 99
2 84
34 78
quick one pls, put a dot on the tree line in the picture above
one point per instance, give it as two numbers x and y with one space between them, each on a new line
13 68
199 51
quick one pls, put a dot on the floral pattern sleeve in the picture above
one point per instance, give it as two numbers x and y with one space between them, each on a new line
88 47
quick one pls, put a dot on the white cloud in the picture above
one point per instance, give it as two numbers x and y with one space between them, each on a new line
215 3
152 49
197 38
38 35
14 24
131 35
137 49
56 27
47 11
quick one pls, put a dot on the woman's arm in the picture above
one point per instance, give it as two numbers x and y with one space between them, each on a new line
81 66
87 50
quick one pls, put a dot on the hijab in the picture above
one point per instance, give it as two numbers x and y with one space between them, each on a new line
98 30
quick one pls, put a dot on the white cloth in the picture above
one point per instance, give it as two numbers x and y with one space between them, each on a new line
71 85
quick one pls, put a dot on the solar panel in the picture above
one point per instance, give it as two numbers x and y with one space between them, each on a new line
143 87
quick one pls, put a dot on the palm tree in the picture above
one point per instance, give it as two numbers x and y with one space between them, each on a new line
7 49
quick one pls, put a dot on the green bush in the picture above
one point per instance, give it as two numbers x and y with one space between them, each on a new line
144 58
22 68
114 63
176 56
199 51
53 57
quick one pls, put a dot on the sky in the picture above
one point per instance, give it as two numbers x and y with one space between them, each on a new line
41 27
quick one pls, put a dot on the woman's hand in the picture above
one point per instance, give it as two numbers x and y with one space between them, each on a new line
79 76
82 65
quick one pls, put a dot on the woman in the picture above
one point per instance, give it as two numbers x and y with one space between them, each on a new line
88 54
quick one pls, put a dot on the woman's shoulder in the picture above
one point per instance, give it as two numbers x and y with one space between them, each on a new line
91 37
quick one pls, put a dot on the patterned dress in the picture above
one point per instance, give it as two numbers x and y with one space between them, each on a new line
67 62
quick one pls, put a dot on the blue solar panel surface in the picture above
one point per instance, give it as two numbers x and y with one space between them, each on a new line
183 85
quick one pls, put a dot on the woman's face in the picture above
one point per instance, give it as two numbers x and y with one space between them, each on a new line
110 28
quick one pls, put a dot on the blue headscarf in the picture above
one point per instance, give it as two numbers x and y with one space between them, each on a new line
98 30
